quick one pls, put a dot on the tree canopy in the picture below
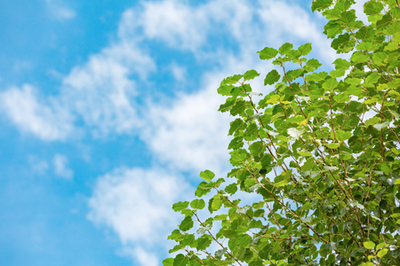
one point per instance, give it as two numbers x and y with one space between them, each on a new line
321 150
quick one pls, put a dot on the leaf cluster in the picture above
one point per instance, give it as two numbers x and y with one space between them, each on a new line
321 151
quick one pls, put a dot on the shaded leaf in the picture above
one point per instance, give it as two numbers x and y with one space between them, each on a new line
186 224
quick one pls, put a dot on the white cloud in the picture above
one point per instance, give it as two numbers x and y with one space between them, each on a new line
170 21
179 72
191 135
47 120
60 164
101 91
294 25
146 258
136 204
59 11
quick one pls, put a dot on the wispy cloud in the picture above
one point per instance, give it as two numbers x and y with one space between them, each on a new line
60 164
59 10
47 119
101 91
38 166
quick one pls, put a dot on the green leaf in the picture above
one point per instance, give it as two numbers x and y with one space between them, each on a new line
341 63
203 188
198 204
180 206
369 244
372 121
372 78
312 65
216 204
391 46
367 264
381 245
330 84
341 41
359 57
225 90
272 77
236 125
180 260
305 49
379 58
168 262
348 16
332 29
203 242
365 33
316 77
207 175
282 183
385 168
267 53
384 22
393 28
332 14
231 80
382 252
293 74
341 98
238 108
250 74
231 189
189 240
186 224
342 135
372 8
286 47
176 235
243 240
365 46
320 5
333 145
256 148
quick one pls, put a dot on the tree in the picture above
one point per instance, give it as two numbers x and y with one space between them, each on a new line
322 149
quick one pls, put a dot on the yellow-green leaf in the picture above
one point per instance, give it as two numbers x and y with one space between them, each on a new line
369 244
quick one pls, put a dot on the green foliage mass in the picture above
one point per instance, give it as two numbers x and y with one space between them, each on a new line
321 150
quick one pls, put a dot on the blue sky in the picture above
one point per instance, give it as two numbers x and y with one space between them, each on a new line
108 113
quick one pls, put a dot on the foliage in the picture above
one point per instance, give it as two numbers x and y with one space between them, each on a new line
321 150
